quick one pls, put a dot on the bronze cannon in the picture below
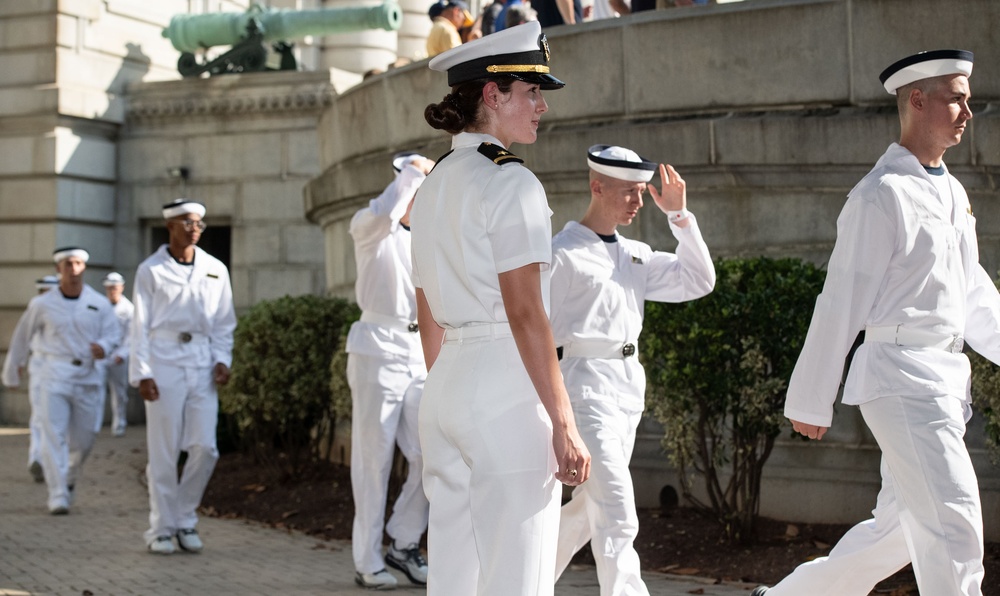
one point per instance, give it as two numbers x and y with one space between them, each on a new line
247 32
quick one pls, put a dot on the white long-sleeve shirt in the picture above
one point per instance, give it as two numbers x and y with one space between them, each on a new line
171 298
384 264
58 331
906 254
123 311
599 291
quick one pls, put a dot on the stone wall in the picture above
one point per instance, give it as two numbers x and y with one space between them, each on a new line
770 109
248 144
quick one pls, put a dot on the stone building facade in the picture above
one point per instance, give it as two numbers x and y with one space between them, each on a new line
97 131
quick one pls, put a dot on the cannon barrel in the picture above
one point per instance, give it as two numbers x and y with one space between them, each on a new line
192 32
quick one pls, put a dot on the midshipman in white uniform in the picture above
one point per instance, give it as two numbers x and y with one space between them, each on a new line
386 372
905 270
182 343
42 285
116 364
600 282
66 330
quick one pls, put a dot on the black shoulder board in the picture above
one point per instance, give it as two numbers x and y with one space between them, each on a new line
498 154
213 276
92 307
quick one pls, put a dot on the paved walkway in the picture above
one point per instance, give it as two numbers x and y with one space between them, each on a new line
97 550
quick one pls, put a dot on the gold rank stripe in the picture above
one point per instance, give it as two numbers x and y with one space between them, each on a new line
517 68
504 158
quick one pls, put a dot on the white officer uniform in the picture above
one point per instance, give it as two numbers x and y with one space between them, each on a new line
386 372
487 440
58 331
905 268
116 375
599 287
182 327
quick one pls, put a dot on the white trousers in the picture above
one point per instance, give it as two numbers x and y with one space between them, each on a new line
489 475
602 509
67 412
385 400
34 419
183 419
928 510
116 377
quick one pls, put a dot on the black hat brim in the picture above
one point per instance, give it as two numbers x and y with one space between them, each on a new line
545 81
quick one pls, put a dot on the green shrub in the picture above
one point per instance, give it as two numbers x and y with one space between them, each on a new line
279 394
986 398
717 370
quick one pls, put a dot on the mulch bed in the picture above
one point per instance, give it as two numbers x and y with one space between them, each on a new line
679 541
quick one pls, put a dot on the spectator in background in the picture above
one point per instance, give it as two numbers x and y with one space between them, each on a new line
489 16
610 9
501 22
449 17
558 12
518 14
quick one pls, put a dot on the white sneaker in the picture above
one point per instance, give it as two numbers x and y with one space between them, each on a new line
380 580
163 545
189 540
410 561
119 431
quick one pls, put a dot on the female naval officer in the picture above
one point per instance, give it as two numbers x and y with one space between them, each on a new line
496 426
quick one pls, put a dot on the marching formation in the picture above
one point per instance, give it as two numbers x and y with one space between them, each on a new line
502 361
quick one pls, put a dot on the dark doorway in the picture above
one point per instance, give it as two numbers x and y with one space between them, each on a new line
216 241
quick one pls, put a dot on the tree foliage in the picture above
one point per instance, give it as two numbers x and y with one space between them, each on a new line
717 371
279 393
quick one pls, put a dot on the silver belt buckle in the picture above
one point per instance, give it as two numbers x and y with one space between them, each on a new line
412 328
628 350
185 337
956 345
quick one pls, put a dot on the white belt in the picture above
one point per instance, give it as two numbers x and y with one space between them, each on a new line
68 359
389 322
184 337
914 338
599 348
477 332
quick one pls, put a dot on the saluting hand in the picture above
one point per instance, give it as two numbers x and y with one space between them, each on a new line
674 194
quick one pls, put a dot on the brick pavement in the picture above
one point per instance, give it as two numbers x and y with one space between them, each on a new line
98 549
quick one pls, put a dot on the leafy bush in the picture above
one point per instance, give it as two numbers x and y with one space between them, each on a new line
279 393
986 398
717 371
